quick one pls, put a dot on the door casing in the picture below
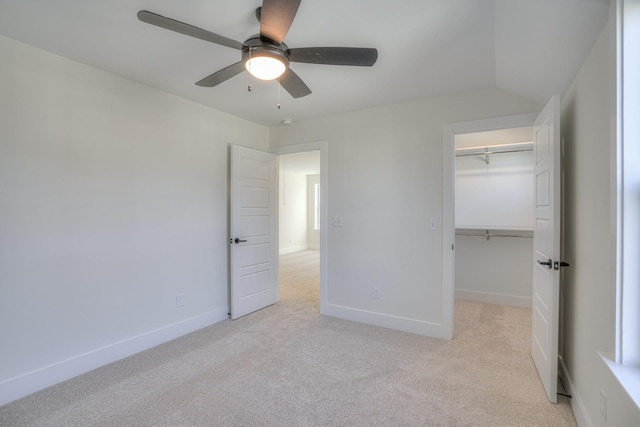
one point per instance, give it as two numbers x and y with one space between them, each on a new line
449 132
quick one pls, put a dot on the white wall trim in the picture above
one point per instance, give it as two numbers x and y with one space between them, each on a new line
388 321
322 146
627 376
29 383
577 404
449 131
493 298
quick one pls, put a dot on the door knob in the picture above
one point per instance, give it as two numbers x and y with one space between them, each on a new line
547 263
238 240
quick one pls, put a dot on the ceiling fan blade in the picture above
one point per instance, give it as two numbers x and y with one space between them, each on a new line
358 56
293 84
276 17
222 75
186 29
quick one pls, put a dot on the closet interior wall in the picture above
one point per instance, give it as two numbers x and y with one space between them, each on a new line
494 223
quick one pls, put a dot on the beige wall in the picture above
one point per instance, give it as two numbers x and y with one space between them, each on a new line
113 200
588 286
385 181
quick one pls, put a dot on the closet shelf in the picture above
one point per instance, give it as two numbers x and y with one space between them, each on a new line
488 233
494 149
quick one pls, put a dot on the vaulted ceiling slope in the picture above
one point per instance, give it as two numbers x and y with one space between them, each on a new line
532 48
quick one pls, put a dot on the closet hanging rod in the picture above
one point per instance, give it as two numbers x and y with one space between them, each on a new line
482 153
486 151
488 234
494 235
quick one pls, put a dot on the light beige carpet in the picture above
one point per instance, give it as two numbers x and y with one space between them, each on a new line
288 366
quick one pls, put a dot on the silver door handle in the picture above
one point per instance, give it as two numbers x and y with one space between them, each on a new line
238 240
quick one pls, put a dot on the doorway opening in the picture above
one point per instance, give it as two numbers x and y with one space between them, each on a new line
546 225
322 148
474 217
494 204
300 222
494 216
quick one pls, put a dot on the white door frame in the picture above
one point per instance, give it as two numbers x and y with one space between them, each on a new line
322 147
449 132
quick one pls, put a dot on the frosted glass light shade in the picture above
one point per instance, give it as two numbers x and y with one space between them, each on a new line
265 67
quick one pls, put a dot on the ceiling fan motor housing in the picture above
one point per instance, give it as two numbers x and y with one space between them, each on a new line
256 46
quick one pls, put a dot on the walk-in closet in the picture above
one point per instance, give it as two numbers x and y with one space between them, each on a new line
494 216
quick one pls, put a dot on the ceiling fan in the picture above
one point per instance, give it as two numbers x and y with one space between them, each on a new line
265 55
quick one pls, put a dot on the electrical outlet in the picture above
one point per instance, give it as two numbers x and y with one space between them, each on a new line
179 300
376 292
603 405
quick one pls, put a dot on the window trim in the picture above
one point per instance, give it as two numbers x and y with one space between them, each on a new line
628 180
625 363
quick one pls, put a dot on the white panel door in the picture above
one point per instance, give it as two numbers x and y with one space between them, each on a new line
546 241
253 228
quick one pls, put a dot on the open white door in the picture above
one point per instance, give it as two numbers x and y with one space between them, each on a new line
546 245
254 237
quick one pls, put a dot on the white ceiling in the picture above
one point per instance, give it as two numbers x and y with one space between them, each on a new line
532 48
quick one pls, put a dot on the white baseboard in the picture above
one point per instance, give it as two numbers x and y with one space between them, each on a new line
435 330
29 383
577 404
490 298
292 249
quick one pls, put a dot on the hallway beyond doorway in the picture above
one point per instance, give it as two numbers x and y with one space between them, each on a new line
300 278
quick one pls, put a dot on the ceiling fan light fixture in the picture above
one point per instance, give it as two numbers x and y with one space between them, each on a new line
264 62
265 67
